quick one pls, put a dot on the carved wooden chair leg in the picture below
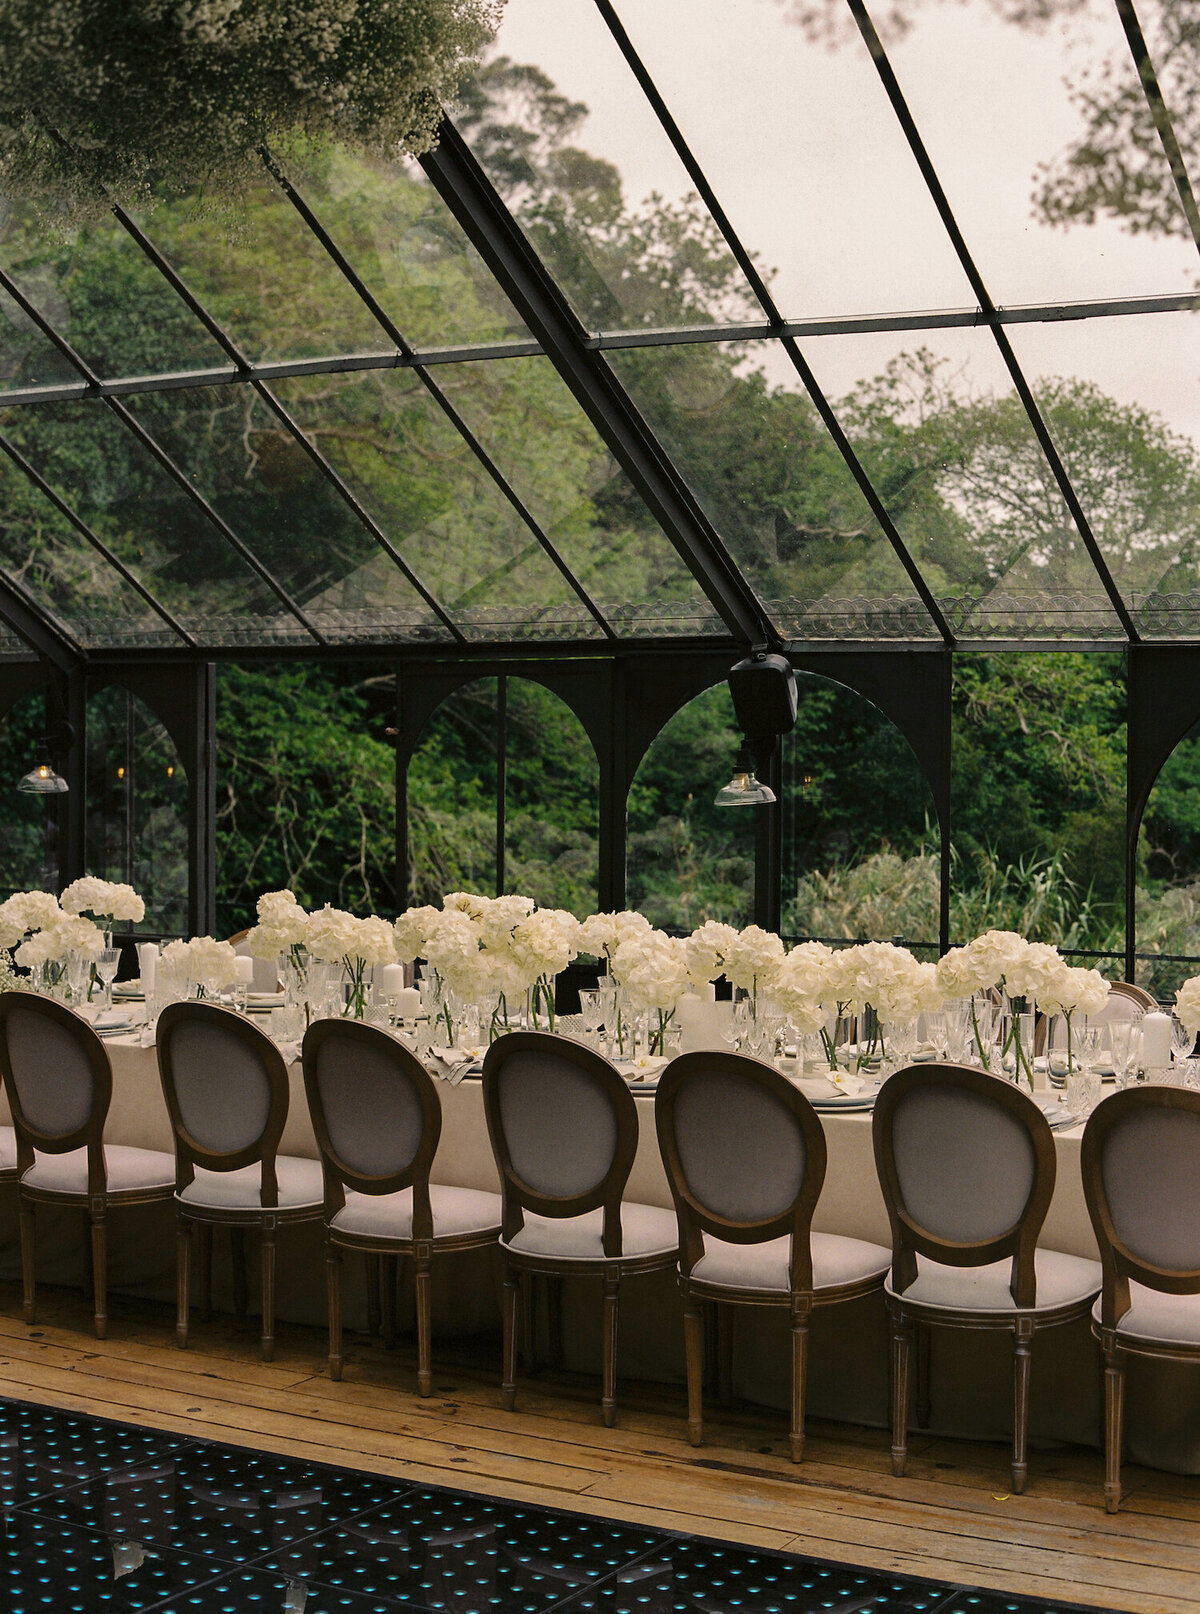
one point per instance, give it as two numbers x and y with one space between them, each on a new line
901 1352
528 1323
693 1342
183 1279
1114 1422
1022 1364
423 1287
608 1396
99 1273
725 1354
268 1294
508 1309
28 1284
799 1379
333 1294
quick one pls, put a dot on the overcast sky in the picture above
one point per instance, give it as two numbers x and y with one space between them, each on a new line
806 156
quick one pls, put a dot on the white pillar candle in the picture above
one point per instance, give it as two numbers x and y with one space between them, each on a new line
1156 1040
708 992
391 979
408 1000
243 971
147 965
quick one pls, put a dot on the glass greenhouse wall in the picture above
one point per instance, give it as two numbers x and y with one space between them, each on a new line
396 529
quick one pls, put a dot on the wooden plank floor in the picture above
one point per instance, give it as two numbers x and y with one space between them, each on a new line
951 1516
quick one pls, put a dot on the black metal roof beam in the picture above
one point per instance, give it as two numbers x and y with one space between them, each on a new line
1041 431
41 630
473 200
158 453
247 371
1140 52
94 540
777 323
384 319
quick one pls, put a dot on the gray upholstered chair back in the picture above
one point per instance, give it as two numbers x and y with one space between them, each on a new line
373 1112
558 1123
741 1150
222 1086
965 1165
51 1072
1150 1169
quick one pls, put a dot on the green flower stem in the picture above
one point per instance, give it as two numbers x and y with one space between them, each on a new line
983 1058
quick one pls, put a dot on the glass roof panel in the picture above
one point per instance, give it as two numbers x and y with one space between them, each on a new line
759 460
1000 107
937 424
408 249
393 445
263 275
260 480
102 294
1121 400
531 426
98 466
804 154
65 575
569 140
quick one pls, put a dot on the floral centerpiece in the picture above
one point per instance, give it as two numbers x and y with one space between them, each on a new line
282 933
336 937
801 985
27 911
541 946
653 969
53 949
104 899
205 963
1067 991
706 950
751 959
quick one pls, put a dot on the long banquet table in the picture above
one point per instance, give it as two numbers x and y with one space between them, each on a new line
970 1377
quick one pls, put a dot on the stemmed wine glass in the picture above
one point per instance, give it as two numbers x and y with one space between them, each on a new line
1083 1085
591 1007
1182 1041
938 1032
106 968
1122 1041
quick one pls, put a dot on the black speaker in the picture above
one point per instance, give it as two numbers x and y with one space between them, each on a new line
763 687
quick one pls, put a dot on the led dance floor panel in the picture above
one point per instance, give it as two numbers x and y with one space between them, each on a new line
104 1516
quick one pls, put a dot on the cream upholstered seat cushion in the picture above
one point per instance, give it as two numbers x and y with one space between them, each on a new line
1062 1280
836 1260
1159 1319
128 1169
8 1149
300 1183
456 1212
646 1230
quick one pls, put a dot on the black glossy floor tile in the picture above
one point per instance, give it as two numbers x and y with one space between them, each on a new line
466 1554
683 1576
234 1506
101 1516
43 1451
48 1565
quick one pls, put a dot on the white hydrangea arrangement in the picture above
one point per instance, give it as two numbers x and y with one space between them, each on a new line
24 912
106 899
204 962
1187 1005
282 926
68 933
336 937
654 970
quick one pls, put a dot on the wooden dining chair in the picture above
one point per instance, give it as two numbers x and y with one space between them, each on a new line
966 1163
58 1078
377 1119
1140 1161
564 1129
226 1089
745 1156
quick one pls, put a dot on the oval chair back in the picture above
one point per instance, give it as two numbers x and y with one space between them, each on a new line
59 1081
563 1127
226 1090
745 1155
1140 1161
375 1112
966 1164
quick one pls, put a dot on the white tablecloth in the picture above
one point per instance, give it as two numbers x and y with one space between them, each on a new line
971 1380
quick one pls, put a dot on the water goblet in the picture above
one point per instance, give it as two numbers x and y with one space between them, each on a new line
107 965
1182 1040
1121 1041
591 1008
1083 1084
938 1032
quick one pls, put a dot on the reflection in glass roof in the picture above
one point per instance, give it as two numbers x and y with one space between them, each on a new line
624 363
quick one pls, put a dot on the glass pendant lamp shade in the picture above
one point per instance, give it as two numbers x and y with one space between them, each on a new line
42 781
744 790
